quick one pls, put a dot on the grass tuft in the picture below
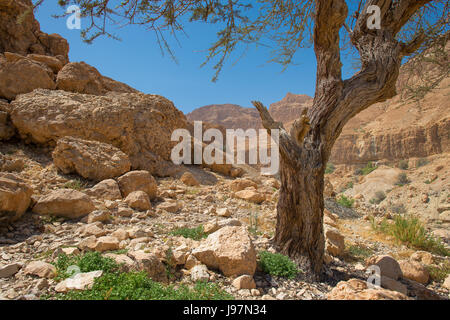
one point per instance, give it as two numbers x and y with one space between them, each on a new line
191 233
277 264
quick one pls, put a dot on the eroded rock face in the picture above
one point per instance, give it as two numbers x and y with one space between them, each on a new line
15 197
230 250
6 127
90 159
65 203
26 37
82 78
139 125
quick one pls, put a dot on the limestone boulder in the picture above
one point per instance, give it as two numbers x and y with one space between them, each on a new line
139 125
151 264
250 195
334 241
189 179
90 159
414 270
389 267
67 203
241 184
355 289
138 200
106 190
139 180
15 197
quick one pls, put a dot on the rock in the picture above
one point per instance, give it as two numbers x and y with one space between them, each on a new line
41 269
199 273
140 180
138 200
151 264
423 257
90 159
215 225
53 63
124 211
66 251
230 250
250 195
107 190
106 243
9 270
446 283
22 76
170 206
139 125
6 128
91 229
80 77
15 197
389 267
414 270
394 285
120 234
355 289
98 216
244 282
241 184
223 212
126 263
88 243
334 241
188 179
67 203
80 281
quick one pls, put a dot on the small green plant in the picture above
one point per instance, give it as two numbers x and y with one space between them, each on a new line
277 264
91 261
409 230
367 169
192 233
330 168
422 162
357 252
75 184
379 196
402 179
346 202
254 224
439 273
403 164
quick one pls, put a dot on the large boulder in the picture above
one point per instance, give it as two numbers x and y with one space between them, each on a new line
21 75
106 190
414 270
334 244
15 197
25 37
230 250
82 78
150 263
90 159
140 125
138 200
389 267
355 289
67 203
139 180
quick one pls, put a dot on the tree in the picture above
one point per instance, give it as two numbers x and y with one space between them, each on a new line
407 28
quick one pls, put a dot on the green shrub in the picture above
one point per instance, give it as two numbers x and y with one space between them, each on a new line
357 253
91 261
379 196
403 165
439 273
75 184
192 233
369 168
277 264
410 231
402 179
346 202
330 168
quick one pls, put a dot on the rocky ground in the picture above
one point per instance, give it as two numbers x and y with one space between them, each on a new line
131 217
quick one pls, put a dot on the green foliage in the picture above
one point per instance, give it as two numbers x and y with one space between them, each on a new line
357 252
439 273
379 196
75 184
91 261
403 164
138 286
330 168
192 233
402 179
410 231
277 264
345 202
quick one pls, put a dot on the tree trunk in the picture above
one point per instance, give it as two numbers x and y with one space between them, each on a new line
299 229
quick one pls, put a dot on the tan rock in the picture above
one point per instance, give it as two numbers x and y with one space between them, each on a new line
389 267
394 285
230 250
126 263
91 159
191 261
91 229
120 234
414 270
244 282
41 269
355 289
334 241
250 195
140 180
88 243
9 270
138 200
151 264
199 273
170 206
67 203
422 257
223 212
241 184
188 179
98 216
15 197
51 62
139 125
446 283
106 243
107 190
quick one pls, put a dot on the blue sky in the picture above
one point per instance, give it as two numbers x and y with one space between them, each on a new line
137 61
